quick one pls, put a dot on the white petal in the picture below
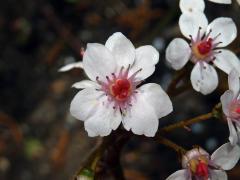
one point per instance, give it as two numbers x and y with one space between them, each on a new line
226 99
85 103
226 156
157 98
238 2
233 82
204 78
222 1
226 28
191 6
178 175
233 137
189 24
98 61
71 66
89 105
218 175
178 53
142 117
121 48
85 84
102 121
226 61
146 59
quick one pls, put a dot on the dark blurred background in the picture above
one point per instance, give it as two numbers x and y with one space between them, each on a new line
38 137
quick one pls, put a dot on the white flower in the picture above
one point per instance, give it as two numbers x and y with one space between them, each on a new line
231 106
190 6
71 66
199 165
112 96
204 49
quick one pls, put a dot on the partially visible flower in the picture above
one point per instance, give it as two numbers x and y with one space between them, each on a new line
113 94
231 106
199 165
191 6
71 66
204 49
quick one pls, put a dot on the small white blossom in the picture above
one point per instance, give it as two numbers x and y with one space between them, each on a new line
191 6
112 95
199 165
71 66
231 106
204 49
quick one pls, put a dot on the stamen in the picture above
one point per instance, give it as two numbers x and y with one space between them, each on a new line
198 34
207 35
114 76
134 74
126 72
216 36
121 71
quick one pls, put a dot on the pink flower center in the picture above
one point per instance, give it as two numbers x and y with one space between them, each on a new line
205 47
235 109
202 170
120 88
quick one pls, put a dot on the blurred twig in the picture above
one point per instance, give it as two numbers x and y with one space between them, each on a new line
213 114
172 145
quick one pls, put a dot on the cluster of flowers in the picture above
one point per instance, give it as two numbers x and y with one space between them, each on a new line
113 96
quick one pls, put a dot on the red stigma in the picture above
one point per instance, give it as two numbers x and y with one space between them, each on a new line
238 110
202 170
121 89
205 46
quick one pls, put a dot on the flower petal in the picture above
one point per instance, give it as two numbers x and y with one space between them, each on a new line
226 61
150 104
121 48
233 82
98 61
70 66
178 175
226 99
222 1
84 103
178 53
189 6
204 78
190 23
218 175
89 105
157 98
102 121
238 2
146 59
225 29
85 84
233 137
226 156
